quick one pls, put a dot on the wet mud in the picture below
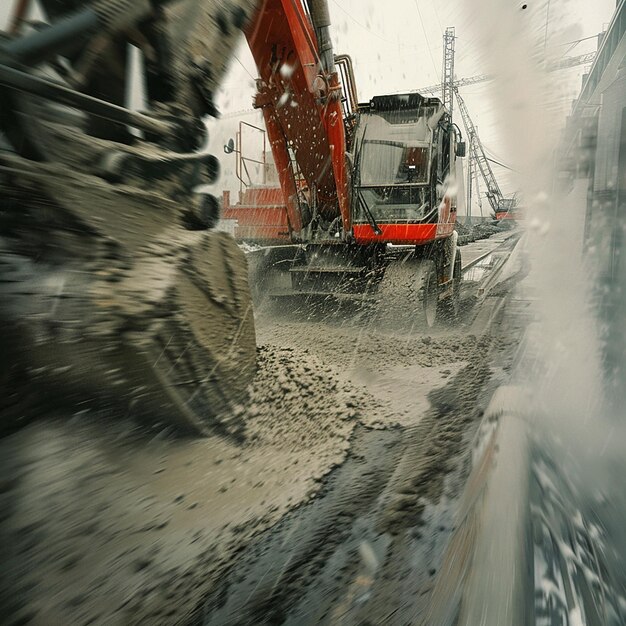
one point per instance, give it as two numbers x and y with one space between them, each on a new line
334 507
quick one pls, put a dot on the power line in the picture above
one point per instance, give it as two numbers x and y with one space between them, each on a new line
244 67
506 167
559 64
426 37
545 37
576 41
369 30
491 152
434 6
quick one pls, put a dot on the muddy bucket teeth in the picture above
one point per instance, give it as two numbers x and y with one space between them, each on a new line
205 351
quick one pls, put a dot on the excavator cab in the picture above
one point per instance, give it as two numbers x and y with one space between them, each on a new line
401 156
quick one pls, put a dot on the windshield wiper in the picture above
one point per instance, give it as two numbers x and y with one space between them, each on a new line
366 209
368 213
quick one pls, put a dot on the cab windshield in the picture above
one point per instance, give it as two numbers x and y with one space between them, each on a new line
394 162
393 154
406 203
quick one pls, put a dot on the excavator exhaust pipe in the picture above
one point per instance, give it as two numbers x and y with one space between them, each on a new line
320 17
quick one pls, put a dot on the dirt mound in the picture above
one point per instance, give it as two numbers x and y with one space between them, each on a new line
297 401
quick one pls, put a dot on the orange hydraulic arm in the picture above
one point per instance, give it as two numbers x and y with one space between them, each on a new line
300 95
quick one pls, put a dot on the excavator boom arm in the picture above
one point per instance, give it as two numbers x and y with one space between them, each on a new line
300 96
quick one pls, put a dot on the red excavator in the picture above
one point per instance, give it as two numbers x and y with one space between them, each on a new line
368 188
114 287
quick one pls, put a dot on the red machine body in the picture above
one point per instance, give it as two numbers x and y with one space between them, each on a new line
301 105
312 122
260 216
355 178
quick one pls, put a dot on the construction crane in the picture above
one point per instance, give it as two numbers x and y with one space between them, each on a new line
472 181
478 161
478 158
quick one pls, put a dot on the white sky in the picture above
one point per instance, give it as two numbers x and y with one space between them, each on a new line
397 45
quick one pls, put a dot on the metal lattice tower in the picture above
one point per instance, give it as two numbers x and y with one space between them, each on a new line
477 153
447 69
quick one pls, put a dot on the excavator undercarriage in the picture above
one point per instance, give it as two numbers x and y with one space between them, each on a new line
402 288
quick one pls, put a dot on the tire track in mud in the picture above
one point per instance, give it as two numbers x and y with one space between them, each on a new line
346 556
271 573
367 548
417 512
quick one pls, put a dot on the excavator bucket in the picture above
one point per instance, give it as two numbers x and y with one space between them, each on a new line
168 337
114 290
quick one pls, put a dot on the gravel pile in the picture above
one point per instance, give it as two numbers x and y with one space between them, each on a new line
297 402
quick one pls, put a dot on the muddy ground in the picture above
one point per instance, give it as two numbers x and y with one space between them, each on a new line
335 509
